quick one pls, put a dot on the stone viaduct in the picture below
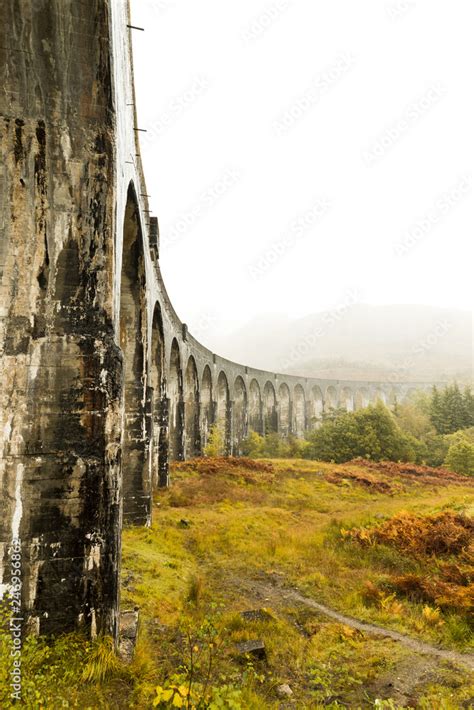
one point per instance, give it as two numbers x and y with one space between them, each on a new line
100 382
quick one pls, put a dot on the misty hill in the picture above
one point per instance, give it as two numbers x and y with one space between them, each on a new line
360 342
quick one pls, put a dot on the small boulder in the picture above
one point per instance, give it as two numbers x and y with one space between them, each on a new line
284 691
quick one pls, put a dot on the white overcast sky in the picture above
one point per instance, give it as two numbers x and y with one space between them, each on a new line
352 118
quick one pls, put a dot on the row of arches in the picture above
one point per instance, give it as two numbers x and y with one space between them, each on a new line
169 405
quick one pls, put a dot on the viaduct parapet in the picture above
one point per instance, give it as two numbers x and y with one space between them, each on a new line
100 382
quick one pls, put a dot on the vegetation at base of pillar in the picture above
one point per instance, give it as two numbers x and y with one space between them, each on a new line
215 445
272 446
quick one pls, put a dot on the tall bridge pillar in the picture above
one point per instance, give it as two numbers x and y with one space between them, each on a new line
60 367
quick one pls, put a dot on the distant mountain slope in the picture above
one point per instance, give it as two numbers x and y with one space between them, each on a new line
360 342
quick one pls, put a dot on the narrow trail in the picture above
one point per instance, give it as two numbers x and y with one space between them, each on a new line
276 591
419 646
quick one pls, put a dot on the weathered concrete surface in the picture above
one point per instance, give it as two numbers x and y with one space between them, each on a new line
61 368
100 382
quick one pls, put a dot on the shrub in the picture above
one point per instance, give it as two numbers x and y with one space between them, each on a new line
273 445
215 445
371 433
445 533
460 457
252 446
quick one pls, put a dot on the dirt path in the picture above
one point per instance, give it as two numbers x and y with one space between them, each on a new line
276 591
419 646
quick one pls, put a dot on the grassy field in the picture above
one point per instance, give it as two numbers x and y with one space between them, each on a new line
236 536
240 550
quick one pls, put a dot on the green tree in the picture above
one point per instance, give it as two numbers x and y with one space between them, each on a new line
413 420
451 409
433 450
273 446
252 446
460 457
296 447
468 407
455 414
436 411
371 432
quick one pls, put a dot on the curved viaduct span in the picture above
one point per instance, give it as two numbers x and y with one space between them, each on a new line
101 383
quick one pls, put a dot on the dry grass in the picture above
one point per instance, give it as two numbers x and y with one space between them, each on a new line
409 473
438 535
250 523
443 545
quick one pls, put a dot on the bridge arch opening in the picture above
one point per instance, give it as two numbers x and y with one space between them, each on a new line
206 407
223 419
361 398
392 398
255 408
316 407
136 484
330 400
379 396
239 414
158 403
192 442
270 418
175 398
284 409
346 399
300 411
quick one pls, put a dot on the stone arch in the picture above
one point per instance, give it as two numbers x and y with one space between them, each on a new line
223 418
346 399
175 398
330 400
392 397
361 398
316 407
136 482
255 408
270 419
192 435
239 415
158 403
299 411
379 396
284 409
206 407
